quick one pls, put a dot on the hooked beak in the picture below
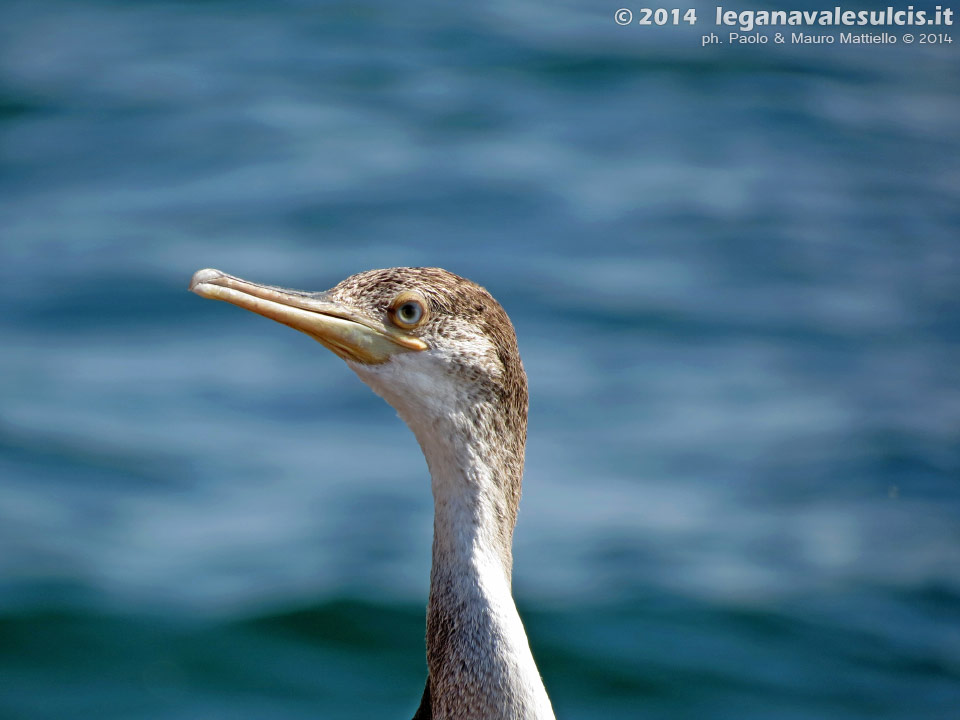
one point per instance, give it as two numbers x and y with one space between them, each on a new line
337 327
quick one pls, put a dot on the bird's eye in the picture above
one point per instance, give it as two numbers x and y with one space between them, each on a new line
407 311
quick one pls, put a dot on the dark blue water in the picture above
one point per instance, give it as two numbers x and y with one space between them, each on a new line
734 276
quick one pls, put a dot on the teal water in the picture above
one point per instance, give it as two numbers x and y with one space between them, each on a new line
733 273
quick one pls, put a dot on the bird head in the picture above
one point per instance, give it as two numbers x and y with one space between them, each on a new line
436 346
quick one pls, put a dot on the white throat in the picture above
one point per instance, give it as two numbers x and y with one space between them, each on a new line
477 650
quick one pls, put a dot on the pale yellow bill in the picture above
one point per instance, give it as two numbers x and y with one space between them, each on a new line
339 328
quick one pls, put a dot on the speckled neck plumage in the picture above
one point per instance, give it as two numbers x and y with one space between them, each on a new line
477 651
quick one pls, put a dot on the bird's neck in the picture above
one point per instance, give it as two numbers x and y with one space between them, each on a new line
477 651
478 654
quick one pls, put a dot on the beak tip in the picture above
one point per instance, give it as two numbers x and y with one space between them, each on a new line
203 276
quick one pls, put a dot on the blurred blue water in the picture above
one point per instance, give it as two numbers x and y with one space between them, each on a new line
733 272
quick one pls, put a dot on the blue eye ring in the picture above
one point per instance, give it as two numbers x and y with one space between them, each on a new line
408 310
